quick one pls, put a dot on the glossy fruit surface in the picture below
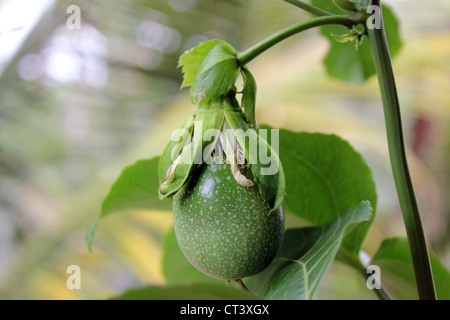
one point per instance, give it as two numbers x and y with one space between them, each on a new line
224 229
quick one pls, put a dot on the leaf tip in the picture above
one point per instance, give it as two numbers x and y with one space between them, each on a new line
90 234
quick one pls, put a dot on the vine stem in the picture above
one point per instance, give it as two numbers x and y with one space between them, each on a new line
349 21
307 7
405 190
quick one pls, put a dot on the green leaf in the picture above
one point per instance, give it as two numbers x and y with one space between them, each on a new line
346 63
249 97
344 5
328 6
304 258
264 161
198 291
344 38
324 177
351 5
176 268
177 142
191 60
397 273
217 73
136 188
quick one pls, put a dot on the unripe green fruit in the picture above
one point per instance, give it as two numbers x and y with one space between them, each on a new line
224 229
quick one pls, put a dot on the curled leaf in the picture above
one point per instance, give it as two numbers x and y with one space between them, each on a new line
216 75
344 38
174 147
249 97
262 159
191 59
208 122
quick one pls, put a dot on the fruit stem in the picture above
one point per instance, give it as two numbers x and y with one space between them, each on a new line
405 190
350 21
240 284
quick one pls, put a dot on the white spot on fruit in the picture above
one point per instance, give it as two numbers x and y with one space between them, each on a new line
206 189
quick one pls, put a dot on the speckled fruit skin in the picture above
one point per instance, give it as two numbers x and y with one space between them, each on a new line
224 229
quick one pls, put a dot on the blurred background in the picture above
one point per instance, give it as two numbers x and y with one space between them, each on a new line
78 105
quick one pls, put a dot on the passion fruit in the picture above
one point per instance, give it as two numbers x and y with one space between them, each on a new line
224 229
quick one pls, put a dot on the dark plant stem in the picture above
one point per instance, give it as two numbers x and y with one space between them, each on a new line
381 293
405 191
